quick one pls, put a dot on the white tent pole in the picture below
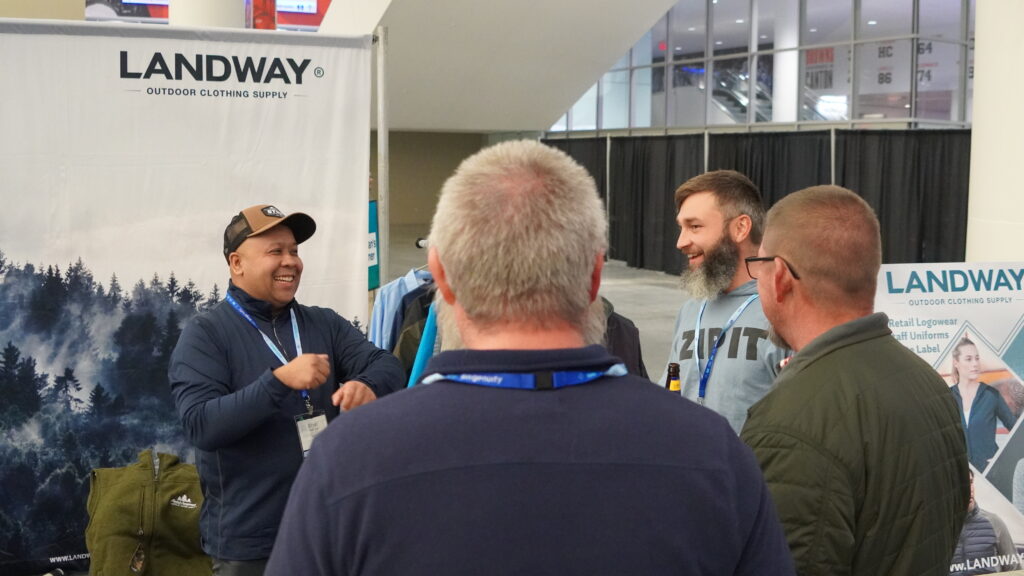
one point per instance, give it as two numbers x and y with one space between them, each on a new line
383 192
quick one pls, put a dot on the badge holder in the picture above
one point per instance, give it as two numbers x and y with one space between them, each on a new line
310 424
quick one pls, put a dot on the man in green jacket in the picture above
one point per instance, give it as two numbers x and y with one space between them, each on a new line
860 440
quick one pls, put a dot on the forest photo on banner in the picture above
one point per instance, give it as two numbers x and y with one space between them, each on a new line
125 151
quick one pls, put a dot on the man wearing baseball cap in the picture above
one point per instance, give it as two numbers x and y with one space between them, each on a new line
257 377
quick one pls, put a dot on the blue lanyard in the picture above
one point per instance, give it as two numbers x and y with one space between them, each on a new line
702 389
270 343
528 381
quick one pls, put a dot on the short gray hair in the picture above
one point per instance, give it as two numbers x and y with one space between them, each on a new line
830 235
518 228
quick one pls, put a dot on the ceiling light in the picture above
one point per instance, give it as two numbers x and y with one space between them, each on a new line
691 29
764 36
740 21
872 22
814 29
679 47
718 43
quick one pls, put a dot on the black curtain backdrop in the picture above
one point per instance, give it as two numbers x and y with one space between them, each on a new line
917 183
591 153
778 163
645 172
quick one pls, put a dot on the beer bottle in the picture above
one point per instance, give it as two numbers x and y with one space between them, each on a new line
673 377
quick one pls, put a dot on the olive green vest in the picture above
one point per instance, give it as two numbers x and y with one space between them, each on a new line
144 519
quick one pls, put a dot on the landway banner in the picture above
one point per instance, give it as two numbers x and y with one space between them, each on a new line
966 321
124 152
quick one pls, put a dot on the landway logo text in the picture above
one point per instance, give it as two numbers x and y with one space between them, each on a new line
183 501
988 562
216 68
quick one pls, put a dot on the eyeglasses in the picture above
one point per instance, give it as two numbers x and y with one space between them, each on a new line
750 259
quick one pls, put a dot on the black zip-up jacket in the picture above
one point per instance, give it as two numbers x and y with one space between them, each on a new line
240 417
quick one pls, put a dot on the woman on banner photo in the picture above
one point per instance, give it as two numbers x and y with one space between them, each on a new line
980 404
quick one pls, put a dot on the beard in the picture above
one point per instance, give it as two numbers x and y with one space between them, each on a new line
595 323
716 273
775 338
447 328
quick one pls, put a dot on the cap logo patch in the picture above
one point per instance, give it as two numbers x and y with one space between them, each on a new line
272 212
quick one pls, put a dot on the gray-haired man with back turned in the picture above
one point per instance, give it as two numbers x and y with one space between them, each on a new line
530 451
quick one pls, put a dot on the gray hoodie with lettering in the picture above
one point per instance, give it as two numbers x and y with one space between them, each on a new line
746 362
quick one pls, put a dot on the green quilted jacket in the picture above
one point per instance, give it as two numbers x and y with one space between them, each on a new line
861 446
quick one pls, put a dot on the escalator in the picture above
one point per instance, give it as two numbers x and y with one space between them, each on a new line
730 94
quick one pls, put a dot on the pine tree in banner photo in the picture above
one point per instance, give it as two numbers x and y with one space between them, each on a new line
190 296
113 299
64 389
19 387
211 300
99 402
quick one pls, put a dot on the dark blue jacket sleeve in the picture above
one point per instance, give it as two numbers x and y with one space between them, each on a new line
213 415
1003 411
356 358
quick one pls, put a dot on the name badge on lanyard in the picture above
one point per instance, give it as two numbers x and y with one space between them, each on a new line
313 422
713 353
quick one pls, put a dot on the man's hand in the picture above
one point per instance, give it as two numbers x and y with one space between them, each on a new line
351 394
305 372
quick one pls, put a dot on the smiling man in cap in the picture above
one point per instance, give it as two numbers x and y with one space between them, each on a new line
257 377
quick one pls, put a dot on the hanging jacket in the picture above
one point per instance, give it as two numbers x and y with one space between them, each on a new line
144 519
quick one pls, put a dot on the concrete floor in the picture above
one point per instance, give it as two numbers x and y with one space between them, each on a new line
650 299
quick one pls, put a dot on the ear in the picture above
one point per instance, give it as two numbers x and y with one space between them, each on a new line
235 263
739 228
782 281
437 271
595 276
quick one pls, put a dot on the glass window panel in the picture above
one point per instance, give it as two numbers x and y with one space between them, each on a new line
938 80
731 26
686 96
778 24
730 91
561 124
939 18
777 85
883 80
584 112
825 90
827 21
615 100
688 30
648 97
621 62
653 46
885 18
